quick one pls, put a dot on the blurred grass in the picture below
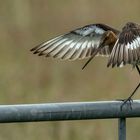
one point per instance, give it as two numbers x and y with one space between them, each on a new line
26 78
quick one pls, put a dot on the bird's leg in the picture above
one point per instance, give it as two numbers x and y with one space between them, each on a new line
129 99
138 69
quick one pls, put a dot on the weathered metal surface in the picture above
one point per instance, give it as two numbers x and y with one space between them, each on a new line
68 111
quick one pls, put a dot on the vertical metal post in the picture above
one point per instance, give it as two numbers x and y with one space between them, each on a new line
122 128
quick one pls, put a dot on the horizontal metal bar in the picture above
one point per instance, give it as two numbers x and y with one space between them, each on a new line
68 111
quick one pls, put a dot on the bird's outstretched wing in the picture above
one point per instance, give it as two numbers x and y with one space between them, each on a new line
77 44
127 48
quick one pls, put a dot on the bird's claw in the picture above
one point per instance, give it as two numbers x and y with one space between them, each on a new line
125 101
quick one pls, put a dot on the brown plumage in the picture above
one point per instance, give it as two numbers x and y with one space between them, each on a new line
126 50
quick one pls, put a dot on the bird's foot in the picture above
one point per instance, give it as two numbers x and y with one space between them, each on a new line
127 101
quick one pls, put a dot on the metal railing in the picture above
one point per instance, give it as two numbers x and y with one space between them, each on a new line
71 111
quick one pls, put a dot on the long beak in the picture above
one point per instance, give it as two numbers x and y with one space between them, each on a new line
91 58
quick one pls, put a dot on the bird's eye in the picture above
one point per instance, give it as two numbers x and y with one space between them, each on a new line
85 28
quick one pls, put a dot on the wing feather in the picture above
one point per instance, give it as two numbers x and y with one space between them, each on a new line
77 44
127 48
120 57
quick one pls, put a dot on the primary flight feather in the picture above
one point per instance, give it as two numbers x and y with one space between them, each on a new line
77 44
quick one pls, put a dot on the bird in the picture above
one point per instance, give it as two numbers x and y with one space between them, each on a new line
120 46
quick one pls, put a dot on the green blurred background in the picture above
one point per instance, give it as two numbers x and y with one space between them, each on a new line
27 78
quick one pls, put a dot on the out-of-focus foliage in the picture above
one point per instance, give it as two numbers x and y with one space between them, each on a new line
26 78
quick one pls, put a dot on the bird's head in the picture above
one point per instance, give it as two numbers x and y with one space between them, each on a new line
130 25
109 38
